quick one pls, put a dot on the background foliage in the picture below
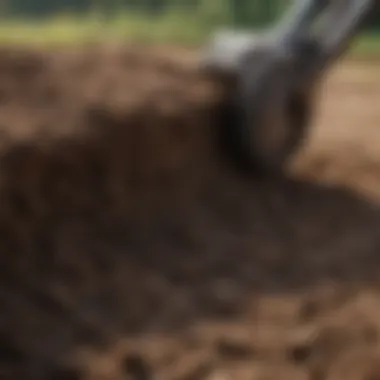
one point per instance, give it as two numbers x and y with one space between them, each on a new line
177 21
240 12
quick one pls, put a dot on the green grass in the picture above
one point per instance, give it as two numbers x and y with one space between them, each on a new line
367 45
172 28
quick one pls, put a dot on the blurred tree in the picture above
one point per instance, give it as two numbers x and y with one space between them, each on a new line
46 7
246 13
3 8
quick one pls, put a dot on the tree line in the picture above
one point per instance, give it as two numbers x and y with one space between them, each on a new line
244 12
241 9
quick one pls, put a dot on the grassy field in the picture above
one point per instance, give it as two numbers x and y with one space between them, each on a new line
186 29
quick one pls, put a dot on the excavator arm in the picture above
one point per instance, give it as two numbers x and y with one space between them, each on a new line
275 76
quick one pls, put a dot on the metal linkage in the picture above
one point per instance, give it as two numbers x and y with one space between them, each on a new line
329 24
345 19
296 22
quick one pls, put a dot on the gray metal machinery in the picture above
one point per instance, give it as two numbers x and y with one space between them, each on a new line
273 76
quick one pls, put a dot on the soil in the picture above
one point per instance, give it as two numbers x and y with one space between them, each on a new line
132 247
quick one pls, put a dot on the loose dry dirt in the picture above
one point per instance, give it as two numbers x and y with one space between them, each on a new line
131 249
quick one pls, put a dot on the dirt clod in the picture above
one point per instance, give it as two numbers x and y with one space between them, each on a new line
131 246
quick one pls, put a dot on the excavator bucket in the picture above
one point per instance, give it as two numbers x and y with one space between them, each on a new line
275 73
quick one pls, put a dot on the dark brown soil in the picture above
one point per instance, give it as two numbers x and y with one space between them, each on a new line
131 248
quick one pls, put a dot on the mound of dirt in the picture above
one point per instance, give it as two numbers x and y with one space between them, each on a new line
130 247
